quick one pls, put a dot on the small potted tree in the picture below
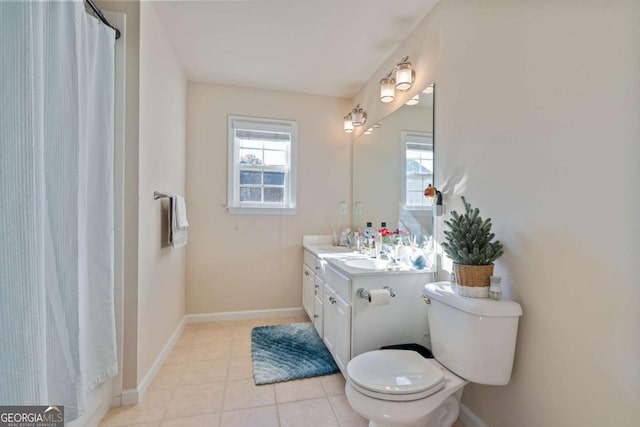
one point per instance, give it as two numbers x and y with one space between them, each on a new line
468 242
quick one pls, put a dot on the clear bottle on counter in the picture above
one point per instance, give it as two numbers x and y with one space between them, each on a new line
369 231
495 288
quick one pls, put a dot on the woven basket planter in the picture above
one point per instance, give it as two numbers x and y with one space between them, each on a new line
473 280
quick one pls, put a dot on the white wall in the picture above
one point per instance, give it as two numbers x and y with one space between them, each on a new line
254 262
161 270
537 124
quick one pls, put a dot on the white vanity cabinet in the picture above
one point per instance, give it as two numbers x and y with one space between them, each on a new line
337 318
312 289
350 325
353 325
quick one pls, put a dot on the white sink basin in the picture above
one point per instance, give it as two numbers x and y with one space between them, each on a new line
367 263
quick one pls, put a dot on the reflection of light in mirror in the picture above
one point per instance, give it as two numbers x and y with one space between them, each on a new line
414 101
368 131
348 124
429 89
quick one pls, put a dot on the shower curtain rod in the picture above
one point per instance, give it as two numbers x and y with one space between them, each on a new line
101 17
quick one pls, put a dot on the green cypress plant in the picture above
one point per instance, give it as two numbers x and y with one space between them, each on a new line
469 238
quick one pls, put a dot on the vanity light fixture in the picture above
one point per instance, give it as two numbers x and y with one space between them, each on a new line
348 123
387 88
404 75
356 117
414 101
401 77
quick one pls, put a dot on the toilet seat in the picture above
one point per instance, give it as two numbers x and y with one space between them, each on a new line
395 375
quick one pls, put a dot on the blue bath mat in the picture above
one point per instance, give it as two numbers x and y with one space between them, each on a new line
289 352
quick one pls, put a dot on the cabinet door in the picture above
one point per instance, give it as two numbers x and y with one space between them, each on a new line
342 314
308 290
329 319
318 308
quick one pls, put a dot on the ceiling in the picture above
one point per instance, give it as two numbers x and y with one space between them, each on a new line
326 47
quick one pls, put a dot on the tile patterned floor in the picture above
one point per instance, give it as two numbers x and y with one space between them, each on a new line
207 381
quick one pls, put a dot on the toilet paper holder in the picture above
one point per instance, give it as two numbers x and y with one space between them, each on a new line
362 293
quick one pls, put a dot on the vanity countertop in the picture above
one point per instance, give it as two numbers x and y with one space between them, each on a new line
337 256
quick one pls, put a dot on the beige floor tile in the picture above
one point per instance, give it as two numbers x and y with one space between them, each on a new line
265 416
195 400
207 371
333 384
156 396
205 336
347 417
167 376
243 331
199 352
307 388
241 347
128 415
307 413
153 424
242 394
240 368
149 410
211 420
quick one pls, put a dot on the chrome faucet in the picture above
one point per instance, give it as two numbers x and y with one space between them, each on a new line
388 252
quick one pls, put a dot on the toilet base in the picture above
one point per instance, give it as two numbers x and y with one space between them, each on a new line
444 416
438 410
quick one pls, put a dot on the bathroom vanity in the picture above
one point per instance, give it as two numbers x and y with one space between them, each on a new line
347 322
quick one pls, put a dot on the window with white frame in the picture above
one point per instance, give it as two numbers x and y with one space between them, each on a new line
418 168
261 166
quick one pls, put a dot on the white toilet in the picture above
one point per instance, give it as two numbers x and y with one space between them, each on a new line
472 340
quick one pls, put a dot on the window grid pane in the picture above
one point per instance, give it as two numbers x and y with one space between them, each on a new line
262 162
419 173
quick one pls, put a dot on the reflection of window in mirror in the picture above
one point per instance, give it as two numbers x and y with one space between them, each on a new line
418 169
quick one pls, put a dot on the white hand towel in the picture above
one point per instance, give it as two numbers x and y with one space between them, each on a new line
181 212
177 235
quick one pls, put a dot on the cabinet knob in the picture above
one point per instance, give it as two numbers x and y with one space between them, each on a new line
317 268
317 286
315 316
306 273
332 300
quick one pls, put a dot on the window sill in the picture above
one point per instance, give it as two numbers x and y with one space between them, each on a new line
235 210
417 211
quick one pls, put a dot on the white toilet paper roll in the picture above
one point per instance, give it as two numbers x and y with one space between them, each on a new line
379 297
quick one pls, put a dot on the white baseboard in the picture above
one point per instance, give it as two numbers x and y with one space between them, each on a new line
132 396
244 315
469 418
116 401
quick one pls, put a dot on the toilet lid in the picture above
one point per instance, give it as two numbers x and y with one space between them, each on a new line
395 372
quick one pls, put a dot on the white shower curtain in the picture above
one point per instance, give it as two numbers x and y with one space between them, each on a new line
57 326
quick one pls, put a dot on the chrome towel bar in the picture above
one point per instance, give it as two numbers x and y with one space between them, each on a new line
158 195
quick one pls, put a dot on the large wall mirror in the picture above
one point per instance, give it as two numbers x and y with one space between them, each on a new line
391 168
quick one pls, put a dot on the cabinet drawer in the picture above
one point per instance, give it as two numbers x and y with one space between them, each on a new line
340 284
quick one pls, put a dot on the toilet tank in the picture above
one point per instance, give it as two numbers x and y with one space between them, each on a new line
475 338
